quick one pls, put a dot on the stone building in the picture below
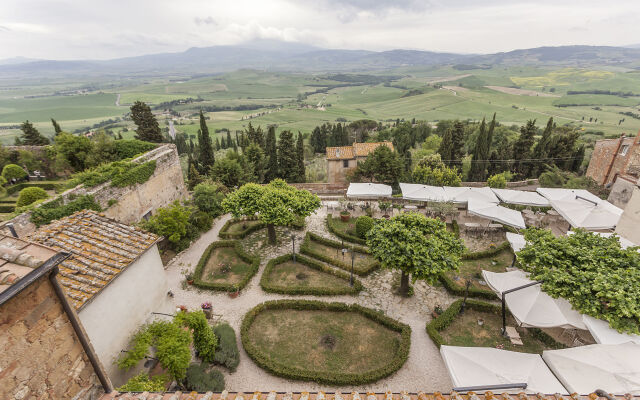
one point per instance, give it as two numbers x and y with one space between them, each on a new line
342 159
629 225
114 279
44 351
615 163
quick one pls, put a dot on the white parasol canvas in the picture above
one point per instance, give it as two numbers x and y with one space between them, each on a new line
368 190
496 213
413 191
521 197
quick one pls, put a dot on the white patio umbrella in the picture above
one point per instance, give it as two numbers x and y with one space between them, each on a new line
413 191
462 195
582 209
531 307
368 190
496 213
521 197
613 368
482 366
605 334
516 241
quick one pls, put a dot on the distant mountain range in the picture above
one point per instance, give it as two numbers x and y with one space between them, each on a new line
286 56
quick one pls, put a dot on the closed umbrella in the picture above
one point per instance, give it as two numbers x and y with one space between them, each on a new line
521 197
605 334
368 190
496 213
412 191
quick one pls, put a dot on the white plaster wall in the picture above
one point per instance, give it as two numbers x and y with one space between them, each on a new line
629 225
117 312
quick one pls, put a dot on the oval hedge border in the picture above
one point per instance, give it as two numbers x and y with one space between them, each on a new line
197 274
242 234
304 249
330 377
342 235
311 263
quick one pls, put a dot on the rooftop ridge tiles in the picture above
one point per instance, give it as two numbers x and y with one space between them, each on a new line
129 255
84 258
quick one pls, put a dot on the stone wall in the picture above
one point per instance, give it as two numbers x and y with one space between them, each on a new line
621 191
41 356
607 161
336 171
163 187
630 220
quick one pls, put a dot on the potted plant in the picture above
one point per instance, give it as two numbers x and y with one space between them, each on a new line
384 206
189 278
181 308
437 310
345 215
206 308
233 293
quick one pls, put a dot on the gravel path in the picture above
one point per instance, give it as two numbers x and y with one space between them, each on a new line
423 370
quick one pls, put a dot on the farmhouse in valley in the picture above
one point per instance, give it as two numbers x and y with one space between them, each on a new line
342 159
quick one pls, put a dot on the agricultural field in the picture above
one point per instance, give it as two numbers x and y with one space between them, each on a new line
299 102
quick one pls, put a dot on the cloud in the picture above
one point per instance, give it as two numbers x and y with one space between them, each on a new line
206 21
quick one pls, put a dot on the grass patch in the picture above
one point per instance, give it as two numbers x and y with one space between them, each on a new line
330 251
331 343
471 269
344 230
306 276
240 228
225 266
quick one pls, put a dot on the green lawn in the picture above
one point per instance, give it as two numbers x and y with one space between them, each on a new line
472 269
465 331
323 341
241 226
224 266
362 262
298 275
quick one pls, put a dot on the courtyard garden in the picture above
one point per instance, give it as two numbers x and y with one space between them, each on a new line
331 343
225 266
330 251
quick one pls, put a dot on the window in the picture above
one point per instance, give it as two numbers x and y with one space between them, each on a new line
345 163
624 149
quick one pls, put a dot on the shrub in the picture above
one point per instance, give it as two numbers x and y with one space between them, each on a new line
44 185
201 221
227 351
171 222
56 209
349 238
30 195
139 173
128 148
120 173
363 225
142 383
498 181
204 341
208 198
13 171
201 379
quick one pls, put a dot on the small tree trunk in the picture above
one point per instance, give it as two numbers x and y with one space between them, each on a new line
404 284
271 231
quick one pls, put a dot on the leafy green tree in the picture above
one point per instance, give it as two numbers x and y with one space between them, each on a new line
30 195
13 171
274 204
255 135
382 165
300 159
207 157
56 126
498 181
193 176
271 172
522 148
432 171
207 197
482 151
420 247
230 172
142 383
318 140
171 222
31 136
287 157
592 272
73 151
148 128
255 155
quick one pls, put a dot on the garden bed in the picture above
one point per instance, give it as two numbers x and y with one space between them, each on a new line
306 276
239 228
330 251
455 329
329 343
225 266
344 230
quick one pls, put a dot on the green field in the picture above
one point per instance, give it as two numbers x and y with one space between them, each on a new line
464 95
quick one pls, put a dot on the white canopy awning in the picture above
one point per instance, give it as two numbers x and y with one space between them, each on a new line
624 243
582 209
613 368
462 195
605 334
532 307
521 197
413 191
495 212
516 241
368 190
480 366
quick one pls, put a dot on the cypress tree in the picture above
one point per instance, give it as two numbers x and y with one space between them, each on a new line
207 157
522 148
56 126
223 144
480 153
457 141
541 149
287 157
31 136
217 143
300 154
446 146
272 161
148 128
229 140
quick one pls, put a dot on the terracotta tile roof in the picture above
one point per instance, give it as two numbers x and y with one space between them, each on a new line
349 396
356 150
100 249
19 257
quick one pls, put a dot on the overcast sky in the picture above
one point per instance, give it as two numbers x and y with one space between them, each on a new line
101 29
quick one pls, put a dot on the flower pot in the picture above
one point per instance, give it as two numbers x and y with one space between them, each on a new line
480 321
207 312
345 217
233 295
190 281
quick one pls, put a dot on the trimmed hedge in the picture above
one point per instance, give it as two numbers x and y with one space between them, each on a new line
7 208
197 274
350 238
446 318
51 185
485 253
305 249
457 290
456 228
239 235
273 288
332 377
227 351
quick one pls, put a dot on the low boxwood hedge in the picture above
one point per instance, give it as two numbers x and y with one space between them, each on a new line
46 185
446 318
252 260
332 377
274 288
350 238
458 290
485 253
306 249
242 234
